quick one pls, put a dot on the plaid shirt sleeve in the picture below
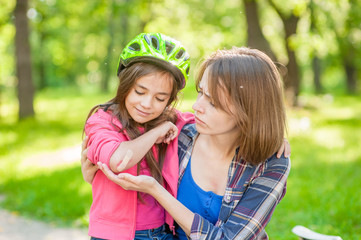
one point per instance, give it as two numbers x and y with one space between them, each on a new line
186 139
250 199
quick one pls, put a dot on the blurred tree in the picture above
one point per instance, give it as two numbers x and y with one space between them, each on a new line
23 60
349 40
316 62
105 79
255 37
290 18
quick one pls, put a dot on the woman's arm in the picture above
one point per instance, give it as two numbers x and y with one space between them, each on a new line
182 215
243 216
88 169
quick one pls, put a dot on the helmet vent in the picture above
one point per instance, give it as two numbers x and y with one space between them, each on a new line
169 47
187 70
180 54
134 47
155 42
146 38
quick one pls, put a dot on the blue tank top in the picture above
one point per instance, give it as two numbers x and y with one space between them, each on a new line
206 204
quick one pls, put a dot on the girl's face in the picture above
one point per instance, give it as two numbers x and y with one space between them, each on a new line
212 120
148 97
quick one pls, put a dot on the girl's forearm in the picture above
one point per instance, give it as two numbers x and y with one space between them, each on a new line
182 215
139 146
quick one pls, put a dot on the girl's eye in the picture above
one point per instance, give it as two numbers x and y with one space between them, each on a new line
139 93
160 100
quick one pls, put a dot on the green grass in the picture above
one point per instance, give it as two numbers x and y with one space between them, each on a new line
323 186
324 183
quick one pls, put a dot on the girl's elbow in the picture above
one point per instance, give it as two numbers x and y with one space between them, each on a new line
113 165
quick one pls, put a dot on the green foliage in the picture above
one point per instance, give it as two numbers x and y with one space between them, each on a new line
79 42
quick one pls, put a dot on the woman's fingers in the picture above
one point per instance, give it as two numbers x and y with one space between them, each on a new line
105 169
280 151
121 179
285 149
128 181
84 156
84 150
84 143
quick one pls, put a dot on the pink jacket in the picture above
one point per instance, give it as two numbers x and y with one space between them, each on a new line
113 211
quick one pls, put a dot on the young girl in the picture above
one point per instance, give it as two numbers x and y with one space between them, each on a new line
138 126
230 179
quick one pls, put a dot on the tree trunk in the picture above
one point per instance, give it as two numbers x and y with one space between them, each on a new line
317 74
107 68
255 37
315 59
292 80
351 74
23 60
43 58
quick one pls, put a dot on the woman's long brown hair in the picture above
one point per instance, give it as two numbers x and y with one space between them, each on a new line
127 79
250 81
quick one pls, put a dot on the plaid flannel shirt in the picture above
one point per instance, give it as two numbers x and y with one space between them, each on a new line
251 195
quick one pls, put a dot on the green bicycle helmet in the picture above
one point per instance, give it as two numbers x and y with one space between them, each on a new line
159 49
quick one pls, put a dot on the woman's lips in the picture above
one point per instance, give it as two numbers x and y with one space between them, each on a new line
199 121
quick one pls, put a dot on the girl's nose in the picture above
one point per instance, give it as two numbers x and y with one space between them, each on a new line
146 102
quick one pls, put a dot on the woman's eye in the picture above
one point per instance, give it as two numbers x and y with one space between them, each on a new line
200 93
139 93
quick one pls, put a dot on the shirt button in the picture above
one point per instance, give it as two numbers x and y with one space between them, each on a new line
228 198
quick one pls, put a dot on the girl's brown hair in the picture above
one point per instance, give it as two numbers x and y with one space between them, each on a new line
127 79
255 90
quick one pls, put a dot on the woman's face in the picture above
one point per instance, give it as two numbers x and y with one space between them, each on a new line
212 120
148 97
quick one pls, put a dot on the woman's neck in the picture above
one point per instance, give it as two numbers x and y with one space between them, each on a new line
219 144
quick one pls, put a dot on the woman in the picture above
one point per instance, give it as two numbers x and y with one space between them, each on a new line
230 177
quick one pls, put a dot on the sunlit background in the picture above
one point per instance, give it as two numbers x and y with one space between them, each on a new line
73 55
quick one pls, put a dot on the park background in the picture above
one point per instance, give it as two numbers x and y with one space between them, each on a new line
58 58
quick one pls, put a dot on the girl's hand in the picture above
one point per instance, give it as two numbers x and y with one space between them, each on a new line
88 169
167 132
141 183
285 149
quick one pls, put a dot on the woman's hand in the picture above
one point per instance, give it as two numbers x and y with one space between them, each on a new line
167 132
141 183
88 169
285 149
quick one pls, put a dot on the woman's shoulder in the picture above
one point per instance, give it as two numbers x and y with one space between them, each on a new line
189 130
282 164
186 138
